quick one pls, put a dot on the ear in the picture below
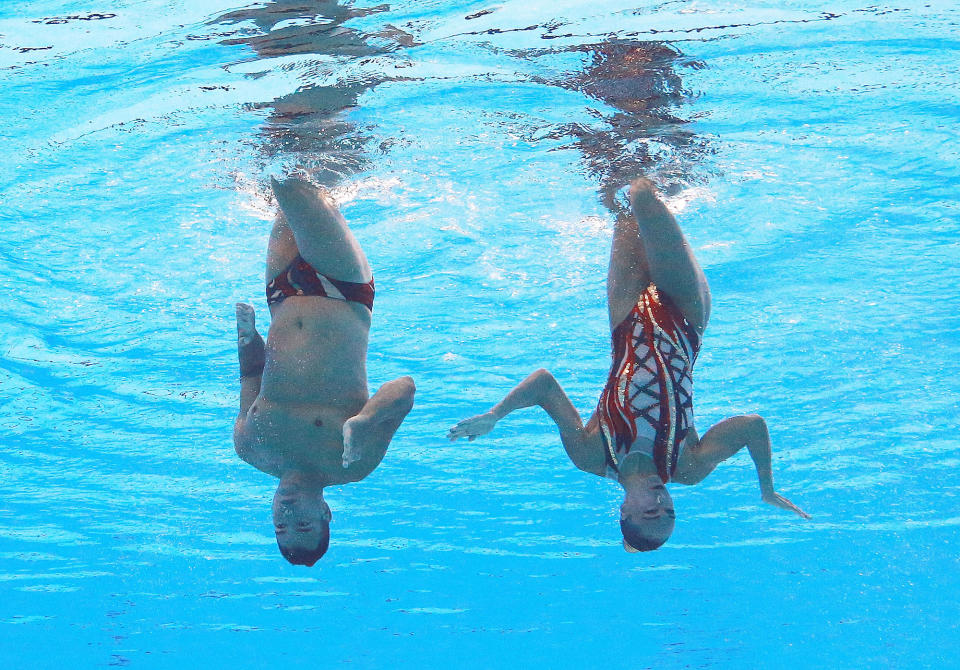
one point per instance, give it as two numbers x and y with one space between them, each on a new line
628 548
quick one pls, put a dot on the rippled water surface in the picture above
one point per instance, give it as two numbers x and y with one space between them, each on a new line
810 154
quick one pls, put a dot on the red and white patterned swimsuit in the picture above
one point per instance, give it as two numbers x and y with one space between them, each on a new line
300 278
649 393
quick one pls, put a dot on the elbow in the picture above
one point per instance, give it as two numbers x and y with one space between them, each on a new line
547 384
757 425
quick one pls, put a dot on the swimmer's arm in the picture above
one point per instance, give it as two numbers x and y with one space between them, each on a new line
249 390
723 441
367 435
540 389
243 439
251 352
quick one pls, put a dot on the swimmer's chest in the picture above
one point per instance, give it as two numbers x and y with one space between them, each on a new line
303 435
313 358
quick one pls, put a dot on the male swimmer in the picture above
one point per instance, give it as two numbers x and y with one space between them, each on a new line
306 416
642 433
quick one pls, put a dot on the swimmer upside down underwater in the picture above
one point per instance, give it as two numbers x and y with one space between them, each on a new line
306 416
642 434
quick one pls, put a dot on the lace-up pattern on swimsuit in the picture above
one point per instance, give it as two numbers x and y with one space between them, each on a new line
649 392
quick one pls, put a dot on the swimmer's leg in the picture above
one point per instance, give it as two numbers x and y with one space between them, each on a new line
282 248
319 231
670 260
628 275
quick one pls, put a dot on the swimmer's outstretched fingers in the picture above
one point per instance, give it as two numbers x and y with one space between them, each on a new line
473 427
778 500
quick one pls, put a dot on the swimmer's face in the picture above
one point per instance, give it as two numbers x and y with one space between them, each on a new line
647 514
301 517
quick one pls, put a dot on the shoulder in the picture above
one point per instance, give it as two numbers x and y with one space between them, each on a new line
241 432
691 466
247 448
244 441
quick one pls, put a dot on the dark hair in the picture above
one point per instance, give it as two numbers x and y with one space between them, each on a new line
634 536
307 557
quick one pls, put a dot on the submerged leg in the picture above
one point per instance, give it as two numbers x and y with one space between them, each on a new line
282 248
669 258
628 275
319 231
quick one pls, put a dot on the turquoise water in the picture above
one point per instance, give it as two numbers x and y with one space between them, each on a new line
810 154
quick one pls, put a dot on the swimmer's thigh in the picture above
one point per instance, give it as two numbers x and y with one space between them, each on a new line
628 275
320 231
670 260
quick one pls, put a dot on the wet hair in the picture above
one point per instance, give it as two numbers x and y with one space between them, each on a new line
634 536
307 557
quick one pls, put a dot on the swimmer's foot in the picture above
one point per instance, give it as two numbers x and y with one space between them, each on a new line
643 196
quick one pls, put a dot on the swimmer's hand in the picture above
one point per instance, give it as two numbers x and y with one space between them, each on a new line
773 498
473 427
351 452
246 324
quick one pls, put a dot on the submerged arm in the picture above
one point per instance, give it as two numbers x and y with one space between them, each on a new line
367 435
251 352
540 389
724 440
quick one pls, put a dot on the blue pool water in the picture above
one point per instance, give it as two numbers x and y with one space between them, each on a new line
811 156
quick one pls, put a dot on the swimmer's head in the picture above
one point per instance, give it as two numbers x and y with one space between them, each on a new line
301 520
646 515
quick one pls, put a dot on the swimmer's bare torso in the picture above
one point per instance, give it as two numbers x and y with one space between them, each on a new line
313 381
305 404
